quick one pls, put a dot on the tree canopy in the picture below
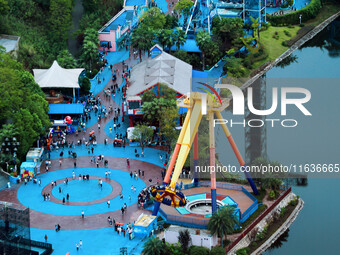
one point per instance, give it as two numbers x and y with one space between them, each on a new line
159 107
223 222
184 7
60 21
22 104
143 134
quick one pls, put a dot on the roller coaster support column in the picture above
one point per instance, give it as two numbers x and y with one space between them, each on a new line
237 153
196 160
212 162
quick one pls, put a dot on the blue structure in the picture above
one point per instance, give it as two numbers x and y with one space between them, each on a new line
66 109
144 225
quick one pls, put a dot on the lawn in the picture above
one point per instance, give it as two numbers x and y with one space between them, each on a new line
327 10
273 45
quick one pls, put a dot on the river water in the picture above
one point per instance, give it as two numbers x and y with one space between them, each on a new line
316 139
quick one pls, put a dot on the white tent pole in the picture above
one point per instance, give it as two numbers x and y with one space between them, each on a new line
74 95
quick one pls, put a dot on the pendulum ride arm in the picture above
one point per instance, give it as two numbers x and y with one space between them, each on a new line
237 153
181 152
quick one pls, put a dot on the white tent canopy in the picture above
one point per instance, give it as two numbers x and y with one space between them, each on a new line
57 77
164 68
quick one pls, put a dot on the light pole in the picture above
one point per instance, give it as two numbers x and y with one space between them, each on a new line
300 18
10 147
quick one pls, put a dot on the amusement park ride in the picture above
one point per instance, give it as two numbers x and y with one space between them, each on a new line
198 104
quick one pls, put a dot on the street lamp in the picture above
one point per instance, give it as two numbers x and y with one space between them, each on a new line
9 146
300 18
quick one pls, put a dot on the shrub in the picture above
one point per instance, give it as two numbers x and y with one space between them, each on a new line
271 194
287 33
308 12
243 251
217 250
293 202
284 43
254 244
283 211
198 250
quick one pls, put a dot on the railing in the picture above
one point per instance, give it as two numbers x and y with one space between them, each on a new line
110 21
264 214
251 209
219 185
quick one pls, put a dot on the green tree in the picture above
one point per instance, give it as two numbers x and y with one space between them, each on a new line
203 40
161 36
169 39
235 68
179 37
66 60
90 47
156 102
228 31
171 22
199 250
153 246
85 85
270 180
142 39
174 249
184 239
22 103
168 119
223 222
60 21
143 134
217 250
184 7
4 7
153 19
213 55
255 25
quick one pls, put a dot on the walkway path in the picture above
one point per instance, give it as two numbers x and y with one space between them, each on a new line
97 235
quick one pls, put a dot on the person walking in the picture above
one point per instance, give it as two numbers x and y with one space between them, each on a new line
67 197
81 243
82 214
108 203
45 238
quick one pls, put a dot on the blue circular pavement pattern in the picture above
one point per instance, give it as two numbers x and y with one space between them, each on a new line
82 191
30 195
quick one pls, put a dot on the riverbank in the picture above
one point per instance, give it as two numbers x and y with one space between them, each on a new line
302 40
260 224
288 222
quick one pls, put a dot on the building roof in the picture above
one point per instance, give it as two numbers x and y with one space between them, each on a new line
120 19
66 109
57 77
163 68
10 42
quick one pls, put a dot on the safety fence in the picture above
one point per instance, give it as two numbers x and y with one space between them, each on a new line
219 185
264 214
245 215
